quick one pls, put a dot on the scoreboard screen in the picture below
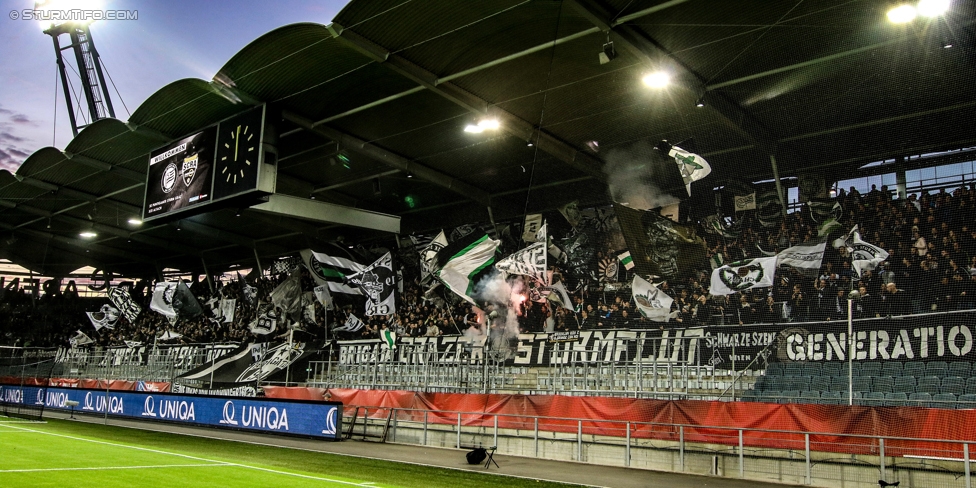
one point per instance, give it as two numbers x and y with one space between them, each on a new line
180 175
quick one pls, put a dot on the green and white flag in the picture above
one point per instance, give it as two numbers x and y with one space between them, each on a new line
743 275
805 257
864 256
692 166
389 337
462 263
332 271
626 260
768 209
651 301
717 260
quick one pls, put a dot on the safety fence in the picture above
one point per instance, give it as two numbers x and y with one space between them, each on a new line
789 456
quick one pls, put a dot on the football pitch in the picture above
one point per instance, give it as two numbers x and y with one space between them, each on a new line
60 453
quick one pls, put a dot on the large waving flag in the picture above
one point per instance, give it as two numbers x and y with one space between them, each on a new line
464 262
331 271
864 256
805 257
692 166
378 281
743 275
651 301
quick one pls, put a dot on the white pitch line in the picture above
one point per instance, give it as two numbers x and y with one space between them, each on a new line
113 467
187 456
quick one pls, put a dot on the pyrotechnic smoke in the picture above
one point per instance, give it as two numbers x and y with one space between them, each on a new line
632 173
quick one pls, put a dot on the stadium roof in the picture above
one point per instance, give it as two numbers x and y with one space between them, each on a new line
390 85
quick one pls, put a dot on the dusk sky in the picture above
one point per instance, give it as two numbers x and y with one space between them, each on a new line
171 40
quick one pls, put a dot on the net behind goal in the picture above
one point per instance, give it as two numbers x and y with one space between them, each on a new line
24 376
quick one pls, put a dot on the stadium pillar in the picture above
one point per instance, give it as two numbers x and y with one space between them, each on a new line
779 184
257 259
901 182
207 272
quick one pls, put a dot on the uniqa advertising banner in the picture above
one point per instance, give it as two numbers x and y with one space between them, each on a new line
312 419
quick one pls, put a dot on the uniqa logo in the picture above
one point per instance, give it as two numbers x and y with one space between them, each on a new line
330 421
176 409
89 404
12 396
55 399
264 417
229 412
149 408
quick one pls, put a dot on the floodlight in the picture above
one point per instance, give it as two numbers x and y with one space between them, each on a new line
902 14
658 79
932 8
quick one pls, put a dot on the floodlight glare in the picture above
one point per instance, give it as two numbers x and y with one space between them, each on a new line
474 129
932 8
658 79
902 14
88 234
489 124
135 221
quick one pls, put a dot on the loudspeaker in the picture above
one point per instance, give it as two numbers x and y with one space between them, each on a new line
477 456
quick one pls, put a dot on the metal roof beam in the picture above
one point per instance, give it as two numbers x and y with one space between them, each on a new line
303 208
391 159
80 195
648 49
78 243
512 124
107 167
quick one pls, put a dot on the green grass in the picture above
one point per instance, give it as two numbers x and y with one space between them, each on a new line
62 453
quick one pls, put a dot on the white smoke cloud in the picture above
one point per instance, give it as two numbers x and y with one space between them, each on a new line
633 174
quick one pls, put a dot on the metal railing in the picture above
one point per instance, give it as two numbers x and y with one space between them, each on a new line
802 457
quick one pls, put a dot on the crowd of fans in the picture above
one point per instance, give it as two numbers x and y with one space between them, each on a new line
931 241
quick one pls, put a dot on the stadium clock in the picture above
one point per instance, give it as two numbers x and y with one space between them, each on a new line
238 157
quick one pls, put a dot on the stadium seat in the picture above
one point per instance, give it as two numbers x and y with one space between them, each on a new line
883 384
774 369
967 401
771 396
914 368
954 385
839 383
830 398
929 384
870 369
762 383
799 383
750 396
857 398
904 384
872 399
936 368
921 399
892 368
944 400
959 368
793 369
834 369
790 396
775 383
862 383
971 385
809 397
896 399
812 369
820 383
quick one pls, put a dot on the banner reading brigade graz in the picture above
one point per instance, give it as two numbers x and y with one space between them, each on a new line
929 337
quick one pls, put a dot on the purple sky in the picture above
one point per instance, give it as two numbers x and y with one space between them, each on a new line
171 40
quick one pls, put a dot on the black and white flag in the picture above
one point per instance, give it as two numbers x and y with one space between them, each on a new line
530 261
227 306
864 256
80 339
322 294
264 324
353 324
805 257
122 301
428 257
106 317
162 299
378 282
331 271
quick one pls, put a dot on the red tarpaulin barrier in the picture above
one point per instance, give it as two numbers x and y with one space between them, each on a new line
122 385
704 421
